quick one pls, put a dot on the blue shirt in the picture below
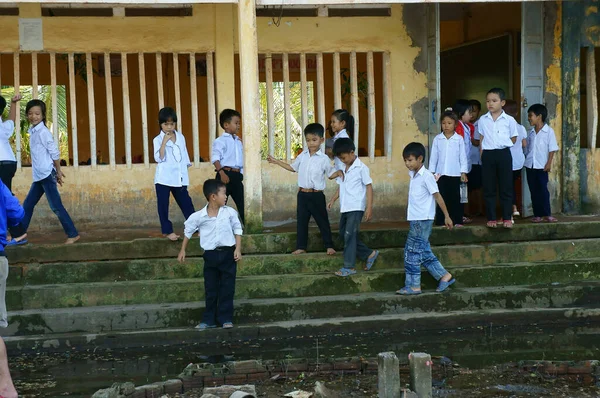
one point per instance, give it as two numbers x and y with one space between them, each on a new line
11 213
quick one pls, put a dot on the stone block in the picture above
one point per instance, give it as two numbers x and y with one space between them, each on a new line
294 365
246 367
106 393
408 394
214 381
258 376
236 378
351 364
420 374
153 390
389 375
138 392
173 386
226 391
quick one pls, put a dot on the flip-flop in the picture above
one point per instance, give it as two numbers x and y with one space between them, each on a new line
491 224
371 261
407 291
343 272
14 242
551 219
227 325
444 285
204 326
536 220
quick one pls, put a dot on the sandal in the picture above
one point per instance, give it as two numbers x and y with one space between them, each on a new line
516 213
371 261
204 326
227 325
14 242
508 224
550 219
443 285
407 291
536 220
467 220
343 272
491 224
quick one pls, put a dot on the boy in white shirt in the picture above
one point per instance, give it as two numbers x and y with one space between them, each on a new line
541 146
221 238
422 196
312 166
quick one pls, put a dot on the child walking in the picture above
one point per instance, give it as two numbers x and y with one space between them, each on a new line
171 177
312 166
541 146
221 238
45 169
342 126
356 200
517 152
228 158
422 196
498 133
448 163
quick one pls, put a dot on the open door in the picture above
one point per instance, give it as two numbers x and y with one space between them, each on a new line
532 72
433 71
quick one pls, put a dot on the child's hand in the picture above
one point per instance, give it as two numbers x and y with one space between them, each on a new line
181 256
224 176
368 215
271 159
547 167
16 98
437 176
337 174
448 222
237 254
463 177
329 205
60 177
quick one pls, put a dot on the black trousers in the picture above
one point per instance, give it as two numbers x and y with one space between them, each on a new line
220 270
7 172
450 190
537 179
235 189
516 175
497 174
312 204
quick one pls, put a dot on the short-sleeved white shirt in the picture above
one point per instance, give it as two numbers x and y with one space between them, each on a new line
7 129
421 204
312 170
339 165
229 151
448 156
518 155
474 154
497 133
214 231
353 189
539 147
172 170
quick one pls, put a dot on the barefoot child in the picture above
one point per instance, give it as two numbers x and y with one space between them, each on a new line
356 199
312 166
171 156
422 196
220 233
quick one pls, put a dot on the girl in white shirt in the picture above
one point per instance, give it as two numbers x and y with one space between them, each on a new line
171 155
342 126
517 151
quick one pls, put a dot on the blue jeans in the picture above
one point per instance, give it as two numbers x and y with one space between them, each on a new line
417 252
353 246
183 200
38 189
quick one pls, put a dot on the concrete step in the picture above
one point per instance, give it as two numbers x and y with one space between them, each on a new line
275 242
277 264
289 285
152 316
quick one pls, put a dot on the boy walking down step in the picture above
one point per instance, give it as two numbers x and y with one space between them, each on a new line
221 238
423 194
312 166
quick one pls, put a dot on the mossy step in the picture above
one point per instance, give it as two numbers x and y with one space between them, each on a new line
285 242
276 264
288 285
258 311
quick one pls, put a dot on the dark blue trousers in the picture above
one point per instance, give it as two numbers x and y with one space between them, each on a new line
182 197
220 270
537 179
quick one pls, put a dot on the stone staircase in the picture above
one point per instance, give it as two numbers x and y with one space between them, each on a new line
132 293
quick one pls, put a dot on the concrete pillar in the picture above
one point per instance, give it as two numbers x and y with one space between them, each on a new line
420 374
388 372
30 10
224 56
248 49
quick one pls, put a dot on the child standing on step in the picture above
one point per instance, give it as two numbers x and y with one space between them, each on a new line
220 233
356 200
517 151
312 166
46 171
171 177
422 196
541 146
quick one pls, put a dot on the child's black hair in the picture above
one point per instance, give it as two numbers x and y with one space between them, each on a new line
226 116
475 103
2 105
212 187
344 116
34 103
500 92
511 107
343 145
315 129
460 107
449 112
167 114
539 109
415 149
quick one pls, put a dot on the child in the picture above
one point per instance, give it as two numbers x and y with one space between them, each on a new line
541 146
518 156
221 238
448 162
465 129
498 133
228 158
171 177
342 125
45 169
312 166
8 162
356 199
422 196
475 205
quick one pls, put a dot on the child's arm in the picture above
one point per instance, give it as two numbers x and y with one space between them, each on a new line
552 148
280 163
440 201
464 165
369 209
181 256
548 165
12 115
434 156
163 145
336 174
333 199
237 254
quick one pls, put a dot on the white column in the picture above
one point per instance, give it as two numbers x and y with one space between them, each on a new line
54 95
34 76
17 84
388 110
354 97
286 107
110 112
303 93
126 109
91 107
144 108
194 94
371 105
270 110
210 92
159 81
177 91
337 83
73 107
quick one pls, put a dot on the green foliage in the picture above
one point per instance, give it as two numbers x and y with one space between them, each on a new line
362 85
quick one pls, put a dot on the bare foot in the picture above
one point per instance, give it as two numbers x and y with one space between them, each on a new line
8 391
22 237
446 277
70 241
172 237
330 251
299 251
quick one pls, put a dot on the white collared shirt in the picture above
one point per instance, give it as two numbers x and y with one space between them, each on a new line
353 188
339 165
448 156
312 170
421 203
228 150
7 129
467 139
474 154
517 150
172 170
497 133
214 231
43 151
539 146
